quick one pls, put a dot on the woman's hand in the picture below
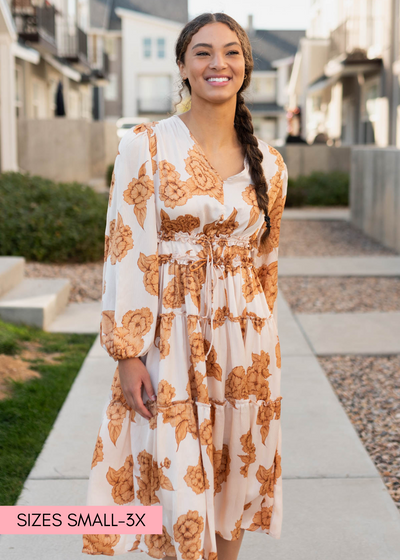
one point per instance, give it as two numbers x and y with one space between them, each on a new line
132 373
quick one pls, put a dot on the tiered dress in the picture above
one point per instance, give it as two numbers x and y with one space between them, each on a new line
187 289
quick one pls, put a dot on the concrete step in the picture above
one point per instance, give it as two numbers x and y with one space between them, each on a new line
11 273
35 301
374 265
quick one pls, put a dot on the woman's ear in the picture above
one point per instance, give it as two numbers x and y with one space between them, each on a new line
182 70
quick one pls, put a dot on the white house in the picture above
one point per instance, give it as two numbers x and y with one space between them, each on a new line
150 74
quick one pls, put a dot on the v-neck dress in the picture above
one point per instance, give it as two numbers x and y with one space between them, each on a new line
188 289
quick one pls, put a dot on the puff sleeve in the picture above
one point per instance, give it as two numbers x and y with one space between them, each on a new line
266 260
130 273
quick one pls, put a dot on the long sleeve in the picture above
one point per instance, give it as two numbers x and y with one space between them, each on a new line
130 273
266 260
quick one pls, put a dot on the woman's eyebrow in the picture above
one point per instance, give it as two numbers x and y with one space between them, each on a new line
210 46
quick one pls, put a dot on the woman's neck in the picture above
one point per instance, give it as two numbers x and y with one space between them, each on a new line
212 125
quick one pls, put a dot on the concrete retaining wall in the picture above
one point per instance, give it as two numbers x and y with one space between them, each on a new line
302 159
375 193
66 149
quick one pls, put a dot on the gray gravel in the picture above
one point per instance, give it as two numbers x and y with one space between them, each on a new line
86 279
320 238
310 294
369 389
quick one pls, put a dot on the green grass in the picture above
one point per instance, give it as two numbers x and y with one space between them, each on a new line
27 416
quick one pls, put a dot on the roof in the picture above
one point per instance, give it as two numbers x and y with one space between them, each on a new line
270 45
102 12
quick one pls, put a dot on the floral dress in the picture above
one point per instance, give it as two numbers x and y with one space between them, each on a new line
188 290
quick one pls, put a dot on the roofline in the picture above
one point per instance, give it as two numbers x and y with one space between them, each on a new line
147 18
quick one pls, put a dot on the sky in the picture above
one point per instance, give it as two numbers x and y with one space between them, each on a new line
267 14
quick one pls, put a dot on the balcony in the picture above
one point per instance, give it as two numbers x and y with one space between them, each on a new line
35 24
72 45
364 37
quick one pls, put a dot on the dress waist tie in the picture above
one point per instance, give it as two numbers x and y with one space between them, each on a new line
209 287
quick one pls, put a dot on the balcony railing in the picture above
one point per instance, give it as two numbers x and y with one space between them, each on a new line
72 43
35 24
358 34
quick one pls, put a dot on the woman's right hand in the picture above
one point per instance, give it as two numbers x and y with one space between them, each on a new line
132 374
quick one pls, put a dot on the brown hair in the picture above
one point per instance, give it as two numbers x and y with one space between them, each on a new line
243 121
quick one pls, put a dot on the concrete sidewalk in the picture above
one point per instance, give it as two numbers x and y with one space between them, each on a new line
335 502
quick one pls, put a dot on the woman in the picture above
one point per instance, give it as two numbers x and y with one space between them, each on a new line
189 312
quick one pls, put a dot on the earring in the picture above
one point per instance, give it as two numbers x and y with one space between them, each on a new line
245 76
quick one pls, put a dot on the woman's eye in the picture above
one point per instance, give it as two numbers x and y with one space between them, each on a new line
201 53
233 52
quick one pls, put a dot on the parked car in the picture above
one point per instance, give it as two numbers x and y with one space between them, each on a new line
125 123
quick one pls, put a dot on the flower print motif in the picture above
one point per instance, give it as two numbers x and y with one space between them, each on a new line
173 191
278 354
135 545
251 285
151 479
98 454
268 276
165 393
250 452
250 197
278 406
163 331
264 416
206 437
187 531
213 369
100 544
116 409
276 181
120 241
262 519
236 385
246 506
122 482
196 343
138 193
181 417
257 322
142 127
160 545
196 478
257 375
174 292
198 390
236 532
126 341
203 179
112 185
222 468
224 227
149 265
186 224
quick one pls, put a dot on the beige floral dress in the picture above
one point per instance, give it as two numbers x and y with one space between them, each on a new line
187 289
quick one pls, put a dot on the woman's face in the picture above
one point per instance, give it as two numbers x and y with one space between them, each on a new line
214 63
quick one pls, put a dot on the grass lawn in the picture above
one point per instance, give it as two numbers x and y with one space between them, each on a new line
37 369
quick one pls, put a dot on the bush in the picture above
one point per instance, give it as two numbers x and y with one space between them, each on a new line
50 222
319 189
109 172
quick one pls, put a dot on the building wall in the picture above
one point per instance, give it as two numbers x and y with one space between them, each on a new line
66 149
135 29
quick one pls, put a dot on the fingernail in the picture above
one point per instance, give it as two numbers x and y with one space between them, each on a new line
153 398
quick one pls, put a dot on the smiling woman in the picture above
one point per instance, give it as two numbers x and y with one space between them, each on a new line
189 312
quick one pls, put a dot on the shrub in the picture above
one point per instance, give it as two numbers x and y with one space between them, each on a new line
319 189
109 172
50 222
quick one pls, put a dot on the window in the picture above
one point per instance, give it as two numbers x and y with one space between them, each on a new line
111 90
147 47
161 47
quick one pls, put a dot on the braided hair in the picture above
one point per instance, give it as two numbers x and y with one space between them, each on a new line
243 121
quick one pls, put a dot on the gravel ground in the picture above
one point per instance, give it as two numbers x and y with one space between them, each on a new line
310 294
86 279
318 238
369 389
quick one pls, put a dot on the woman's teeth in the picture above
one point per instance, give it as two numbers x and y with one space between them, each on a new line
217 79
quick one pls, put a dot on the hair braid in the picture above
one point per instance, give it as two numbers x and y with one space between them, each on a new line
243 120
